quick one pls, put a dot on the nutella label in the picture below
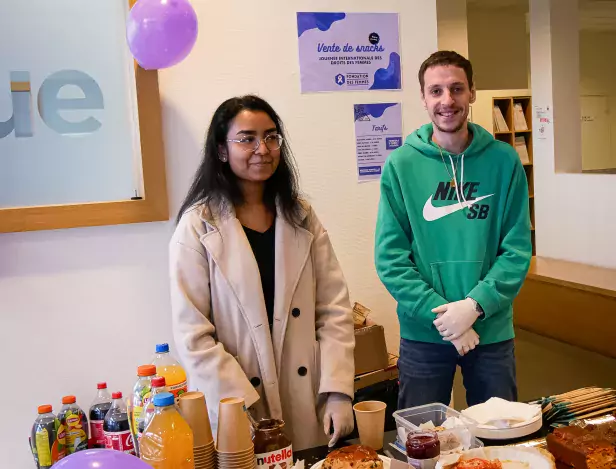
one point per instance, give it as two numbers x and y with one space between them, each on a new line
283 457
120 441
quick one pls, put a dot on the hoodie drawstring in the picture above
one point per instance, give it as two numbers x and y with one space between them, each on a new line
460 189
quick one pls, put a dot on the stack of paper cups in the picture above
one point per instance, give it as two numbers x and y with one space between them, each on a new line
234 447
194 410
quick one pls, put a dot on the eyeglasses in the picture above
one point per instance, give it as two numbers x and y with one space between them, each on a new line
250 143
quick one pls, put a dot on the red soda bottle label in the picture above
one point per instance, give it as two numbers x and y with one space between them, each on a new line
120 441
97 434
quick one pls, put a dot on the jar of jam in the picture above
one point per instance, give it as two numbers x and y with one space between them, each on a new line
272 445
423 449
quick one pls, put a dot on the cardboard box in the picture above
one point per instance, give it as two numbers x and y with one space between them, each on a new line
370 349
368 379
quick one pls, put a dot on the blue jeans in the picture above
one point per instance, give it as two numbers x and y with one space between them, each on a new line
427 371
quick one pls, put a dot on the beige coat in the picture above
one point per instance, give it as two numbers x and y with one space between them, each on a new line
221 328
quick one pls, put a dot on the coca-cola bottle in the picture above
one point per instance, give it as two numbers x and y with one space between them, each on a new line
117 428
99 408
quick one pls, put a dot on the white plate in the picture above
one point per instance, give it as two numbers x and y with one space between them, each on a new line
510 433
512 457
385 459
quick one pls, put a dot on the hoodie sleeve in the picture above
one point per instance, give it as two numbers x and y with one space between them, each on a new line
503 281
394 264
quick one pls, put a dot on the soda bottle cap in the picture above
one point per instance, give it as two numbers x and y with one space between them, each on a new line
69 400
162 348
164 399
146 370
44 409
158 382
116 395
101 385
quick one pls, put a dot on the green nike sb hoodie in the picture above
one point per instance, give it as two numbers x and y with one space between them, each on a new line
436 244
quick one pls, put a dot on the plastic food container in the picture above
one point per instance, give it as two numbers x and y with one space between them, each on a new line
459 436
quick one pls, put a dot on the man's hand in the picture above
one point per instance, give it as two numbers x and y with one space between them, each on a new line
467 342
455 318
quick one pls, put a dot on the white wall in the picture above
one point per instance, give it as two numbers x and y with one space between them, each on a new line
452 26
498 46
84 305
598 77
573 212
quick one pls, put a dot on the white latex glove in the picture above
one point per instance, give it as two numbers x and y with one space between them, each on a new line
339 412
455 318
467 342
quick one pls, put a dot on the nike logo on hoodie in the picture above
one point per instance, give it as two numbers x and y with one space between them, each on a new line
432 213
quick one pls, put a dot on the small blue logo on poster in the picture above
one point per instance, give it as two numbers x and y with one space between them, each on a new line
370 171
391 143
340 80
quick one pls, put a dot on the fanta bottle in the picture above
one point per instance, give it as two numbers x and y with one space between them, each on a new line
169 368
168 440
158 387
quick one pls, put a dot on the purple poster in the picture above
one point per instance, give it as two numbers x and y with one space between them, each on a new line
378 131
349 51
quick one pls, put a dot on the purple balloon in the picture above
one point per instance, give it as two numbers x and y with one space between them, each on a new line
161 33
101 459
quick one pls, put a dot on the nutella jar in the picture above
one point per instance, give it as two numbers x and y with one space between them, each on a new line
423 449
272 446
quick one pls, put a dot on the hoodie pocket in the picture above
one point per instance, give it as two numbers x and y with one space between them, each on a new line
454 280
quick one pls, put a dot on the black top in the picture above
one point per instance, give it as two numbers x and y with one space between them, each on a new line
264 248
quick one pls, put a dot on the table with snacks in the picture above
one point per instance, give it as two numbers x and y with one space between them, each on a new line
576 429
164 426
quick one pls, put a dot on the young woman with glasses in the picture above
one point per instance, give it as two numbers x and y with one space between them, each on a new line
260 306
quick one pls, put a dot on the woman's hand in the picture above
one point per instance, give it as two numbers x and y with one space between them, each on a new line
339 413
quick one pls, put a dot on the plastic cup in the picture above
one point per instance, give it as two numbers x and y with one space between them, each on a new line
370 416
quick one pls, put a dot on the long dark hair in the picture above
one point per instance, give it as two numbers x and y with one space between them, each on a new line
215 184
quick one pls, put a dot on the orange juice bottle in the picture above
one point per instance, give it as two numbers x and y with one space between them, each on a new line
168 440
170 369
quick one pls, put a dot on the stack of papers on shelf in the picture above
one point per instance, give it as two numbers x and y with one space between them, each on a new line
519 121
499 120
520 147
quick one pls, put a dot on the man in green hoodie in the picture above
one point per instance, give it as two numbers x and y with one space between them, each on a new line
453 245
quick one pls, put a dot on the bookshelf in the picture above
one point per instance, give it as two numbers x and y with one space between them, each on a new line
512 134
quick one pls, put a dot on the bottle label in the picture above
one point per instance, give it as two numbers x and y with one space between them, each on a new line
137 411
120 441
76 437
59 450
140 402
42 448
97 434
282 457
178 389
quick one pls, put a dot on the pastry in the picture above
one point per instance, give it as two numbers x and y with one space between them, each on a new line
579 448
353 457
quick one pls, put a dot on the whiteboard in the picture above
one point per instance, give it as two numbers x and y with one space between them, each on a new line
68 115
